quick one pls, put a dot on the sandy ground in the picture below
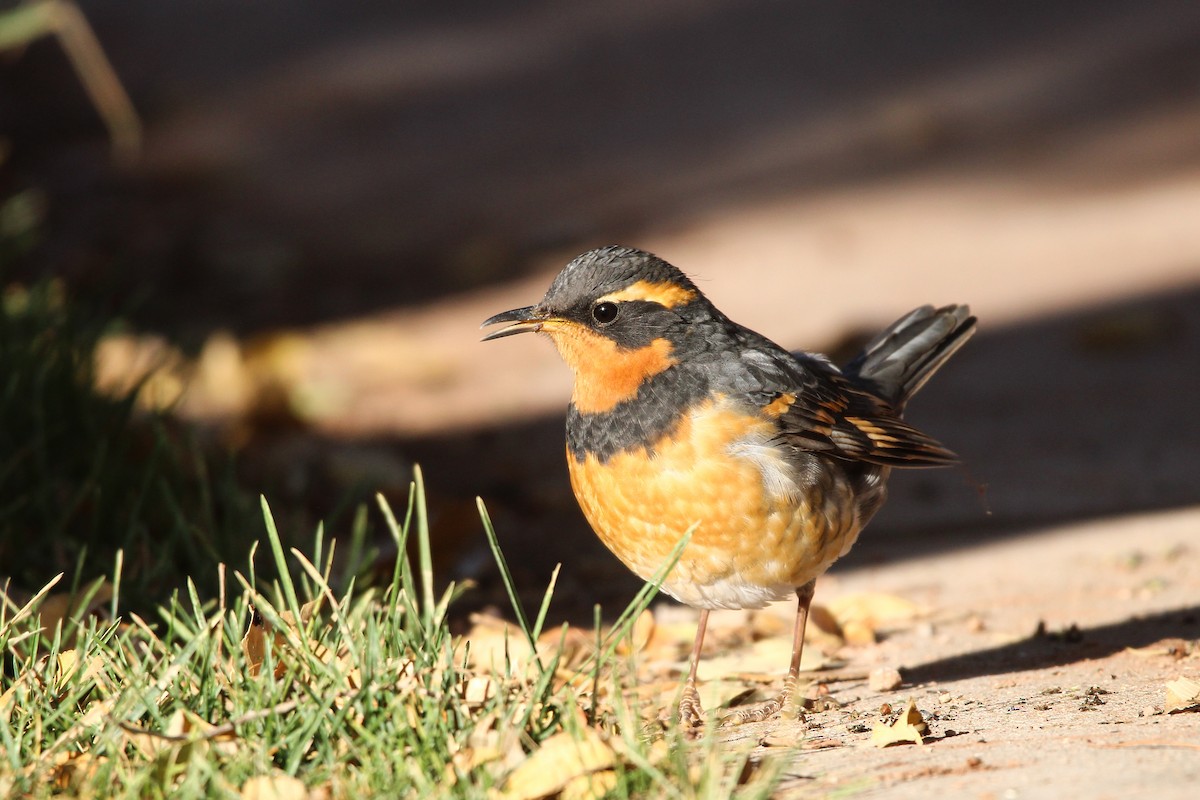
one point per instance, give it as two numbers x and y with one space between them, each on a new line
335 205
1075 712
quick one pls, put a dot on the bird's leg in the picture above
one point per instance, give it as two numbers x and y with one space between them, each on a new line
690 713
761 711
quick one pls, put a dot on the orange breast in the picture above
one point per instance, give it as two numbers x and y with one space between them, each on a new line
761 529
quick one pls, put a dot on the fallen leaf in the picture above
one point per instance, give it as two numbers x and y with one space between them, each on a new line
254 643
495 745
68 665
642 632
276 786
589 787
822 630
8 695
823 620
859 632
254 646
572 647
873 608
493 643
910 726
767 624
560 760
1182 695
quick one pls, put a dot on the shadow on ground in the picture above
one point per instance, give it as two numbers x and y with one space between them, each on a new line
1058 648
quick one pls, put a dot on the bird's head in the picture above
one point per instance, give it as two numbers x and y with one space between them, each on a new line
618 317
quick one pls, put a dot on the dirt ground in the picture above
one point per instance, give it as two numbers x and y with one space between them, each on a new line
1074 711
327 209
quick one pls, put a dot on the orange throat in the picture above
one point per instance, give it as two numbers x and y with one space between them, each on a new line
606 374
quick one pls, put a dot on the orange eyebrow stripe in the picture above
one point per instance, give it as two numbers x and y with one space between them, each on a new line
666 294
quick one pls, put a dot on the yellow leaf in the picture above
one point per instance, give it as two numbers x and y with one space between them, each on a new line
590 787
873 608
178 723
68 665
561 759
1182 695
97 711
823 620
910 726
640 633
492 641
6 698
276 786
859 632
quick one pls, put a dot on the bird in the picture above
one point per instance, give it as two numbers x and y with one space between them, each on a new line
681 421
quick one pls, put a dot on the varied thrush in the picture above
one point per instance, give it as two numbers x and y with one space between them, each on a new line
681 419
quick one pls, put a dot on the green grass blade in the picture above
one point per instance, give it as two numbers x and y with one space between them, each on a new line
545 607
285 578
424 552
506 577
403 591
339 616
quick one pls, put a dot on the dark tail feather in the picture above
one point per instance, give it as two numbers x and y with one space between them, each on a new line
897 362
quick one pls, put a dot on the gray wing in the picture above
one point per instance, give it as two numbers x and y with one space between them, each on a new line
818 408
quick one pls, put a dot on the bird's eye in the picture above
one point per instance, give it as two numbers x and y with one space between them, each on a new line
604 313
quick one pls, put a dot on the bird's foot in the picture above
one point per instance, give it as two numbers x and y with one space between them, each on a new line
760 712
691 715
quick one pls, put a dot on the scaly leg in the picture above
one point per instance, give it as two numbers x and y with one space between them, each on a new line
761 711
690 714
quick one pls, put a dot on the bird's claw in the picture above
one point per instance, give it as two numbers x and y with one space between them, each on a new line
759 712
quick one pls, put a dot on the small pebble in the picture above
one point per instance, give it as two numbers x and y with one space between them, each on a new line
884 679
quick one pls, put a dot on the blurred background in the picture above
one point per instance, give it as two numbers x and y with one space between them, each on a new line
328 198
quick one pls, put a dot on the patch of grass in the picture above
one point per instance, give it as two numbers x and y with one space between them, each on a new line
284 678
288 685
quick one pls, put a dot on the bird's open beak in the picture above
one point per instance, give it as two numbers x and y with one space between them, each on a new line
523 320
